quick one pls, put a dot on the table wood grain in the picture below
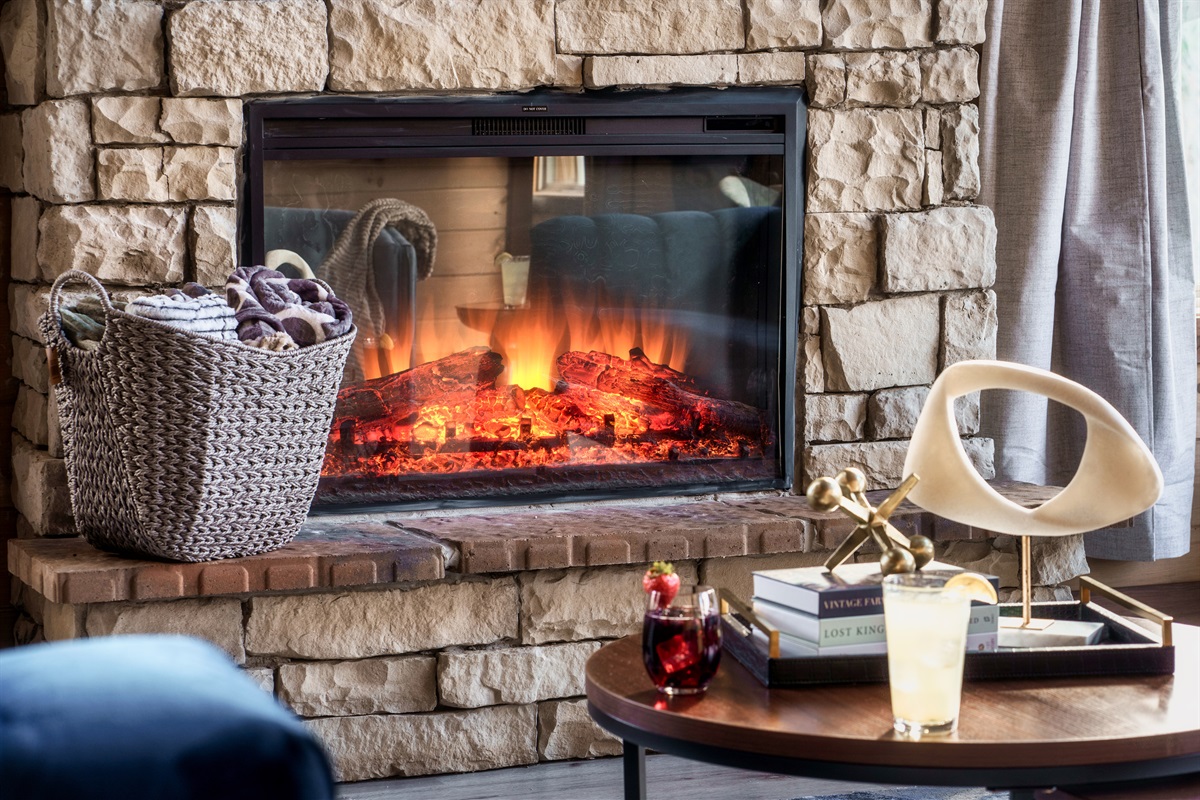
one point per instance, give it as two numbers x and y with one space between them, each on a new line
1003 725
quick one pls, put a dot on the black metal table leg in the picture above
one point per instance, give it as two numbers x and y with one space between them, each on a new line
1022 794
635 771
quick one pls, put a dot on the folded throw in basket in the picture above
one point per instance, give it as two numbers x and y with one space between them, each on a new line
184 446
208 314
281 313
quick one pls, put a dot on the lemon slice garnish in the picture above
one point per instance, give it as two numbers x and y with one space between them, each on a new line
974 586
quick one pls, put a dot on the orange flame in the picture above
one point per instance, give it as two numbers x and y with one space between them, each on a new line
531 337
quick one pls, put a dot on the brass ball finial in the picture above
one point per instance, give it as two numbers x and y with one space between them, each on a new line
824 494
852 480
921 548
896 560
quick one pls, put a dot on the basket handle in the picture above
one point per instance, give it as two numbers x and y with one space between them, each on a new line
54 335
77 276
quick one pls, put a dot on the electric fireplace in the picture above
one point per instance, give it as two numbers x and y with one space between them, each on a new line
558 297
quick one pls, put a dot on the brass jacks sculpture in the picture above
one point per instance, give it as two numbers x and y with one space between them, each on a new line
849 493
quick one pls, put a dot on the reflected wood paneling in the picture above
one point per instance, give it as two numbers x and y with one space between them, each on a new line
450 209
466 198
469 253
439 296
381 176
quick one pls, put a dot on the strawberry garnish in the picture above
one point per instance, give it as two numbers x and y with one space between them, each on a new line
661 578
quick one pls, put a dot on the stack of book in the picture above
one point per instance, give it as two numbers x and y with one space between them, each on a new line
821 613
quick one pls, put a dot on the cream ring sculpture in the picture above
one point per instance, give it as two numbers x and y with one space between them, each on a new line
1117 477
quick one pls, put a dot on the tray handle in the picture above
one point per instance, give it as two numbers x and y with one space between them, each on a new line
728 601
1089 586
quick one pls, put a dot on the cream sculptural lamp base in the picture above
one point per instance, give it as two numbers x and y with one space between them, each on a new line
1117 476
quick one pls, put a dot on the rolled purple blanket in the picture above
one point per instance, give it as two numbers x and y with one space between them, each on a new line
281 313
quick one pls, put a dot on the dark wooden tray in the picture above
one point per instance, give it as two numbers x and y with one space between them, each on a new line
1124 649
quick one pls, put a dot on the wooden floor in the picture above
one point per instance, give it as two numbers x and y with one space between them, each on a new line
667 778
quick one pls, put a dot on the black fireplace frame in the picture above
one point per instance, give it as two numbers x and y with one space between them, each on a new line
744 120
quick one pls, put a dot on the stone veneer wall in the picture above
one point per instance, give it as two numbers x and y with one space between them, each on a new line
122 145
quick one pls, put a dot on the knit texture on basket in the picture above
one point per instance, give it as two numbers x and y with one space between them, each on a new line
187 447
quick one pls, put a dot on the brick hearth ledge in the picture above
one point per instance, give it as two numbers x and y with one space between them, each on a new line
332 554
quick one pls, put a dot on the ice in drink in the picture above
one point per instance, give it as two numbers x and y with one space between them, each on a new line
926 628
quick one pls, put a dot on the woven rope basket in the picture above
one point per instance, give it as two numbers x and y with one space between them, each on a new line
187 447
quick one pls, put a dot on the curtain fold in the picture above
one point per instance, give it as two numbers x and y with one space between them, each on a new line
1081 162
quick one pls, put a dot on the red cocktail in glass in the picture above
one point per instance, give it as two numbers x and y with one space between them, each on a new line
681 642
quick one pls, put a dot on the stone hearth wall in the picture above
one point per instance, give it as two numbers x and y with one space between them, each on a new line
122 146
124 153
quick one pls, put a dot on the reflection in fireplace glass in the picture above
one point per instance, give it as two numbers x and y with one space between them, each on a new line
564 322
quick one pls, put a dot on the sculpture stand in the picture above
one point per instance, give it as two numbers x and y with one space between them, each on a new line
1030 632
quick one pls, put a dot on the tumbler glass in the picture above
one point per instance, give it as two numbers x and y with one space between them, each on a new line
514 276
681 641
926 644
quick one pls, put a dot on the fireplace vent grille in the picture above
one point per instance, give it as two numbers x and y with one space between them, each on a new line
527 126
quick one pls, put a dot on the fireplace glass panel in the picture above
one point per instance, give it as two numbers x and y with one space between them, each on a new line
585 321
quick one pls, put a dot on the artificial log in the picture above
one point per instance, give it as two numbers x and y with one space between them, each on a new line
449 417
615 375
490 412
582 409
397 397
588 366
639 362
478 445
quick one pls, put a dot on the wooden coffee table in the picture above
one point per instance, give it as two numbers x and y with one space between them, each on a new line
1019 735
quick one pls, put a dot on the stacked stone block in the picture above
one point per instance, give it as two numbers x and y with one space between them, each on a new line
442 676
898 260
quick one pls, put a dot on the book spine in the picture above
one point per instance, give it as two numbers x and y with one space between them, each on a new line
851 630
829 602
853 601
784 595
984 619
787 620
983 642
856 602
791 647
837 631
834 631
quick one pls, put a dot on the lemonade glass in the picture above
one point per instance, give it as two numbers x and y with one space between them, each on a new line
926 626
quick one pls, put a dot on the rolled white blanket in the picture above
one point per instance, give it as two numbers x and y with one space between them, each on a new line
207 314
